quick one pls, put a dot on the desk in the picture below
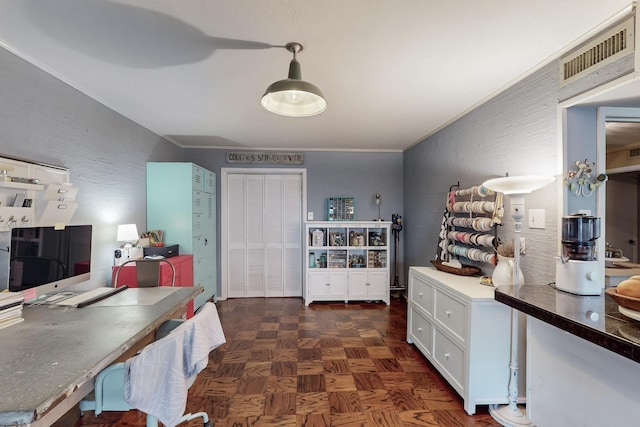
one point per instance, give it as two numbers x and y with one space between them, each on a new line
48 362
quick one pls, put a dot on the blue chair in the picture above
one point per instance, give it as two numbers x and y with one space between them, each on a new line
109 391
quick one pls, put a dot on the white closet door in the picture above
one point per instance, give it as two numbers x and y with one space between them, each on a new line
255 236
273 235
236 257
292 235
283 238
264 238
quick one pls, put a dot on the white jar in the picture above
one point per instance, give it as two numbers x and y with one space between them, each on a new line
317 237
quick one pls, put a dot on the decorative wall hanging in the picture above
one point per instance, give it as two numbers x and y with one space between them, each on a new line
584 180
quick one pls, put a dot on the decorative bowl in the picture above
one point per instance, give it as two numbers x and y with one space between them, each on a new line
630 303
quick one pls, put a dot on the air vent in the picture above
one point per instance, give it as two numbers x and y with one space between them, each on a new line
634 152
607 47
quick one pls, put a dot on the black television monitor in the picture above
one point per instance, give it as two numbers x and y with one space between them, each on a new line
46 259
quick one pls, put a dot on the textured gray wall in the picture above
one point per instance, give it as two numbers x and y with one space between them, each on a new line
45 120
516 133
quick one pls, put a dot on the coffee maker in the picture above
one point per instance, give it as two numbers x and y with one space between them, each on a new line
577 270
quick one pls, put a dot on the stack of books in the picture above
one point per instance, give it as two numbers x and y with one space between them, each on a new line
11 308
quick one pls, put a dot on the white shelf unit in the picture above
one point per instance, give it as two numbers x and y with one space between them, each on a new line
347 261
459 327
48 206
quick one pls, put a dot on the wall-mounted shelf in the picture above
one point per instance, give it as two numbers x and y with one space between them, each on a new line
469 223
51 198
21 185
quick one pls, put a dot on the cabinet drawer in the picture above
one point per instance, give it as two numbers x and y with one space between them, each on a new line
421 294
198 243
452 314
198 202
197 226
209 182
199 275
197 178
421 331
450 357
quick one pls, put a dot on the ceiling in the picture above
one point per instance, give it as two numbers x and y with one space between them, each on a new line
393 72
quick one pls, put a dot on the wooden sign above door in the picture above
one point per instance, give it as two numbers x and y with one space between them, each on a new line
264 157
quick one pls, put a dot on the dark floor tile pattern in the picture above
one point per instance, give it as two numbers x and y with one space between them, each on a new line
330 364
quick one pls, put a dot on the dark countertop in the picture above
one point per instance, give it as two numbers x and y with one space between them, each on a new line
593 318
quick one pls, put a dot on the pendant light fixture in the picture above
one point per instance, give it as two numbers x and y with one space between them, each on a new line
294 97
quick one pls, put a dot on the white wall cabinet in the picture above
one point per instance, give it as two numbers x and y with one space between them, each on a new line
347 261
459 327
50 197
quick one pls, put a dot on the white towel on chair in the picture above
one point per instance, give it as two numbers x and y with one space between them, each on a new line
156 380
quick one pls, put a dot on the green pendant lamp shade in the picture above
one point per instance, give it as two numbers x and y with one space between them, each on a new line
294 97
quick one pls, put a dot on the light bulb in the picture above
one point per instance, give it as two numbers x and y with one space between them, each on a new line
294 96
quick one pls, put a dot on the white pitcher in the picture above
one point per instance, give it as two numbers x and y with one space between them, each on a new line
503 274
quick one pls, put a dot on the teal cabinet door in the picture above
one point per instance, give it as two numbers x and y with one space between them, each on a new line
181 201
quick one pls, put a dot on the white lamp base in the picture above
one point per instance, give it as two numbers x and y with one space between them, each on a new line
509 415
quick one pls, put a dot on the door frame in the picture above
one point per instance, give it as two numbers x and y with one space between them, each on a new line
224 212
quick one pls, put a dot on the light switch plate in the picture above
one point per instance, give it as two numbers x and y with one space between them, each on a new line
536 218
309 216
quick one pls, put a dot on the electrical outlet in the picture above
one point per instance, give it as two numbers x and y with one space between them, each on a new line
309 216
536 218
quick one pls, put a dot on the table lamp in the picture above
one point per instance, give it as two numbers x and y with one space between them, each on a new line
515 188
127 233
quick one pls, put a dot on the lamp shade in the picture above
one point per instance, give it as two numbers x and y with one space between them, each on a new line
293 97
127 233
524 184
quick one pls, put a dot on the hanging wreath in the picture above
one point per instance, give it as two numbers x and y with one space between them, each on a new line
584 180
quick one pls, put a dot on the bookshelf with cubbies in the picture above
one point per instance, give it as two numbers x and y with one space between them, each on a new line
347 261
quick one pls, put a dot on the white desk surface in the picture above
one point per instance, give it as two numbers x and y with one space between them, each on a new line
59 350
135 296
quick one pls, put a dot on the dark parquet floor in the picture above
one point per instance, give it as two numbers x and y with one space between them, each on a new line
329 364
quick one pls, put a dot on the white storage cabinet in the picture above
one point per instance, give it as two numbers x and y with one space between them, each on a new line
459 327
347 260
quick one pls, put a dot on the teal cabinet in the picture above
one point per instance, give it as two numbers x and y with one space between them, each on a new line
181 201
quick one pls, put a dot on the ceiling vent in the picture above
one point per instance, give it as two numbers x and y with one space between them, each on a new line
609 46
